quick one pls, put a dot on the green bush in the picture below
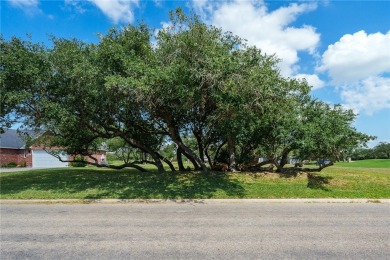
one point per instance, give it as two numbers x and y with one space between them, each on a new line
23 164
111 157
12 164
79 162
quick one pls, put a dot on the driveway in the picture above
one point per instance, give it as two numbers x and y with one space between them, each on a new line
196 231
19 169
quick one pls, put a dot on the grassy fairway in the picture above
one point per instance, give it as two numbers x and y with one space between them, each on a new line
378 163
81 183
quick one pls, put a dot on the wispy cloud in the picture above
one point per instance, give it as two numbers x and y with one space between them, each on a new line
24 3
158 3
75 5
312 79
117 10
30 7
269 30
368 95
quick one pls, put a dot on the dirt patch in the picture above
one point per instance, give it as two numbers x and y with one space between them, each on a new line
276 175
339 183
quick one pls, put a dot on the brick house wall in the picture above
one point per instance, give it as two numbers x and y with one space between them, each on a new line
18 156
101 155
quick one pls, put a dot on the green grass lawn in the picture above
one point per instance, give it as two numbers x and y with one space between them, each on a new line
338 181
378 163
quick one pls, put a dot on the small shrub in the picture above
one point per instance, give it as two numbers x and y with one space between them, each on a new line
23 164
111 157
12 164
79 162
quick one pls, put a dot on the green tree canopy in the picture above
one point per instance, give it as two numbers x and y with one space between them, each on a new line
203 89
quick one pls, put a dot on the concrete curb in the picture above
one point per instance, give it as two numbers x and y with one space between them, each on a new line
188 201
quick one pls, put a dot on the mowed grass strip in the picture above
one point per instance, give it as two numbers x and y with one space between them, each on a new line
376 163
94 183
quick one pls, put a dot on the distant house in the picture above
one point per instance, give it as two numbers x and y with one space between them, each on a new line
13 149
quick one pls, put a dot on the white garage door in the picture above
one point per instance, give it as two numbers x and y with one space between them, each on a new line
41 158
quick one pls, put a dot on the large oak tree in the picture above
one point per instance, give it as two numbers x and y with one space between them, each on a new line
188 79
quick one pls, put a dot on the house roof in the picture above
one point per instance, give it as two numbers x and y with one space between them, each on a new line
11 138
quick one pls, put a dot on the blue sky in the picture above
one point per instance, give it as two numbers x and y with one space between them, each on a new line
342 48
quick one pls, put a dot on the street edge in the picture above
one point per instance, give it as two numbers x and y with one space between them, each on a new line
189 201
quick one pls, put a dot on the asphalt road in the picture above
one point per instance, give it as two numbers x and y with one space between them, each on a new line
196 231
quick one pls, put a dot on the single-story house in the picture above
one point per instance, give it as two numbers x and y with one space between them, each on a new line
13 150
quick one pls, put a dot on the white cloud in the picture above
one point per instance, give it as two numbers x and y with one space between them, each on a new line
24 3
312 79
358 64
203 8
158 3
357 56
369 95
117 10
76 6
270 31
30 7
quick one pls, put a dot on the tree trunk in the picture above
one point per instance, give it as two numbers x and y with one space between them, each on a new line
134 143
175 136
187 151
158 163
95 163
217 152
279 168
198 135
208 157
196 166
180 159
283 160
147 150
167 162
232 153
121 166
